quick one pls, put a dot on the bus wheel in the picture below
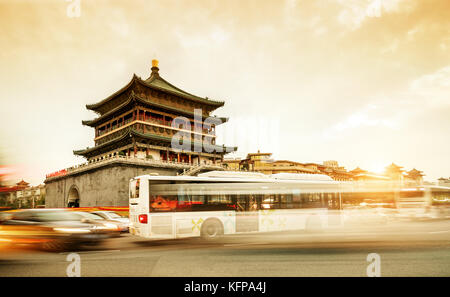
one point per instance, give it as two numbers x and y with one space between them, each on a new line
211 229
314 224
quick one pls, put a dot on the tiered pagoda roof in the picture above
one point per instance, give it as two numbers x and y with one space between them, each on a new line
129 133
394 168
134 99
358 170
154 82
22 183
414 173
154 93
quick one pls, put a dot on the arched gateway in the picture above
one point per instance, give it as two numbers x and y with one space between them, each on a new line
73 198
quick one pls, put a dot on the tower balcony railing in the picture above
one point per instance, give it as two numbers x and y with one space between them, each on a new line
156 121
162 131
169 124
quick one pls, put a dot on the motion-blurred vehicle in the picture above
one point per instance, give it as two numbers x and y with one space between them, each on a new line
49 229
113 228
4 242
112 216
425 202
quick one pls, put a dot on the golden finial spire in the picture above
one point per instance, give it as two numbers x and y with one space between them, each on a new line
155 68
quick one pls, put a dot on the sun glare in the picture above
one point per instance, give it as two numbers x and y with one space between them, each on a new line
377 168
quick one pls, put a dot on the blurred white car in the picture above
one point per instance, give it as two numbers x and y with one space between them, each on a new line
113 228
124 223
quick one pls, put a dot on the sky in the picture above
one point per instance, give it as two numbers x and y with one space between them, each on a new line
363 82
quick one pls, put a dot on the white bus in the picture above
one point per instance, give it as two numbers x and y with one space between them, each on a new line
223 202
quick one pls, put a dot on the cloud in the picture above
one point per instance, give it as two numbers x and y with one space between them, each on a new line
354 12
369 116
362 71
399 110
433 87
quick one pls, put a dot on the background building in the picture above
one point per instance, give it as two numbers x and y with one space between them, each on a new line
31 197
359 174
444 182
333 169
22 195
414 177
395 173
262 162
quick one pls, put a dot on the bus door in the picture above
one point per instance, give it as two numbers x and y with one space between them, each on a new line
247 216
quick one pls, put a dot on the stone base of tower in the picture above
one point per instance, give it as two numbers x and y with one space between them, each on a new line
103 184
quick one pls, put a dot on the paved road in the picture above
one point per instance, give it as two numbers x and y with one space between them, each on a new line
407 249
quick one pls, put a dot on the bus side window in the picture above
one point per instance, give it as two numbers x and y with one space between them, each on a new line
246 202
219 202
160 203
271 201
286 201
241 202
332 200
296 199
311 200
197 202
184 202
253 203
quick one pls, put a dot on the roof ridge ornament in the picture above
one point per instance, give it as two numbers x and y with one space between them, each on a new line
155 68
